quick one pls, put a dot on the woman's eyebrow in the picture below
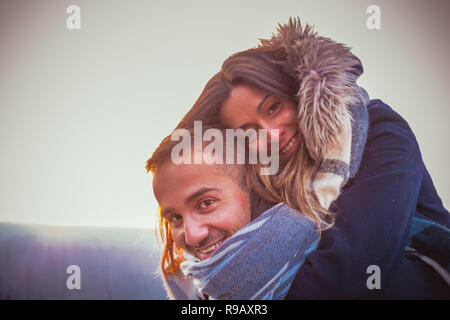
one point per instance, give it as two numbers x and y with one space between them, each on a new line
244 125
258 108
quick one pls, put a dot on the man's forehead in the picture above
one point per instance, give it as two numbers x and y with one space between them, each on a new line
170 175
169 167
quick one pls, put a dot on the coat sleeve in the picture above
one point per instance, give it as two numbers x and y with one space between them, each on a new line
374 213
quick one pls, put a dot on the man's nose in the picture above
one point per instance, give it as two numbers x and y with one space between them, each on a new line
195 231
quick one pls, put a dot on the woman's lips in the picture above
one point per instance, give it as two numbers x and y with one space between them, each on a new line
290 146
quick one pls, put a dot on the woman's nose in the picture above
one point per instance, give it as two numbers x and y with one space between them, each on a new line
272 129
194 231
273 133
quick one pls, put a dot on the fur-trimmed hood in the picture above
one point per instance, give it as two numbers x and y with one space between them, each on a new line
326 73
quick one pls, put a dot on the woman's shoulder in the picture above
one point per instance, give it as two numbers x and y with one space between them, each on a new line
390 140
380 112
385 123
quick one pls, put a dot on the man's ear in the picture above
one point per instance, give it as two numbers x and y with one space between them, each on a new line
256 185
252 182
260 198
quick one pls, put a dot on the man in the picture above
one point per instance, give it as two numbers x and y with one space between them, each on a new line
212 248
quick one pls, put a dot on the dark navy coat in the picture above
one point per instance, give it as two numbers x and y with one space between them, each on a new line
374 214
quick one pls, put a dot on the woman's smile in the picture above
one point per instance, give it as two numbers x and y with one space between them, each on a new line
290 146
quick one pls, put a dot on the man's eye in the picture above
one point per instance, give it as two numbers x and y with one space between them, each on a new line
273 108
206 203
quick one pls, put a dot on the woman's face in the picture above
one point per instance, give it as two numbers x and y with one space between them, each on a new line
251 108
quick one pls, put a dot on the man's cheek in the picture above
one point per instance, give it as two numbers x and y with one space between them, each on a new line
178 237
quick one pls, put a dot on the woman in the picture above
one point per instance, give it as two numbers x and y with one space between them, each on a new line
304 85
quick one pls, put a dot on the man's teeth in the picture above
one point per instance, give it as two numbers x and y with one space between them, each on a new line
211 248
289 145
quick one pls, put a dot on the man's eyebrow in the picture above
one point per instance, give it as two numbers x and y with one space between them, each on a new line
198 193
166 211
191 197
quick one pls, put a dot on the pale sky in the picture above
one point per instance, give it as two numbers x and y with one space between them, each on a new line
82 110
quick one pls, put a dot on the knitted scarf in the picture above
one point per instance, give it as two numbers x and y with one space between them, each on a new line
342 159
257 262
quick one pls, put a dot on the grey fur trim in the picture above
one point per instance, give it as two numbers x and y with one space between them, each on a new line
335 166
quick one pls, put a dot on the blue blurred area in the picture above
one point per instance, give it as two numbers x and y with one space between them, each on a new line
115 263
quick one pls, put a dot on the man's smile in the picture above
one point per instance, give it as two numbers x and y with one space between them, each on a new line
207 250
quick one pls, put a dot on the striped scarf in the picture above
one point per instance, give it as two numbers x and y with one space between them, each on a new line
342 160
257 262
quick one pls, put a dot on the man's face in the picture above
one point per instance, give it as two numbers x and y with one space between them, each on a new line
203 204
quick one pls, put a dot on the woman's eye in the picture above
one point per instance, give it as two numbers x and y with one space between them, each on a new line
250 132
273 108
206 203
